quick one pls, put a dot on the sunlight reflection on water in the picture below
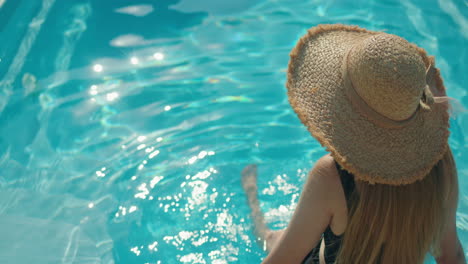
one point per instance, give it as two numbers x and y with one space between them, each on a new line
130 124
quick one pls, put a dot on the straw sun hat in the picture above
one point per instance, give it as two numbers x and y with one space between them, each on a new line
366 96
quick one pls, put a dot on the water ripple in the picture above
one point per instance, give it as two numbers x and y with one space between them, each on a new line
131 140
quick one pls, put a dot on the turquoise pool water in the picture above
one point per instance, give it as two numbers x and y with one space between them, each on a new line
124 124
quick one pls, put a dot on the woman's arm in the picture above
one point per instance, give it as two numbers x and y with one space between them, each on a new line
311 217
451 248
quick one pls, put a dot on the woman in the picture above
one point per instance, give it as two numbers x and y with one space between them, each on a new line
388 190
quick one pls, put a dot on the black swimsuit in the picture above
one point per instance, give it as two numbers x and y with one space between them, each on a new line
332 241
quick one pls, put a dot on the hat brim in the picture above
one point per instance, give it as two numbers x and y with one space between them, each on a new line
372 153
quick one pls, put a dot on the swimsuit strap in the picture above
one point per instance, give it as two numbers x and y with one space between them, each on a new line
347 181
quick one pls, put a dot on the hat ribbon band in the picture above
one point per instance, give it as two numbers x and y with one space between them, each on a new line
362 106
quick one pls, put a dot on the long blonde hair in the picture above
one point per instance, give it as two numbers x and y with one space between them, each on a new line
398 224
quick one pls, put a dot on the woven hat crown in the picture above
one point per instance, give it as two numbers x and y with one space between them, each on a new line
368 97
389 74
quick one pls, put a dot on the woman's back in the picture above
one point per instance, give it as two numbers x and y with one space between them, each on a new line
345 200
325 176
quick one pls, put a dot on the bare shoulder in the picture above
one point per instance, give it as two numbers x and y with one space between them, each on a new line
314 206
324 178
325 173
